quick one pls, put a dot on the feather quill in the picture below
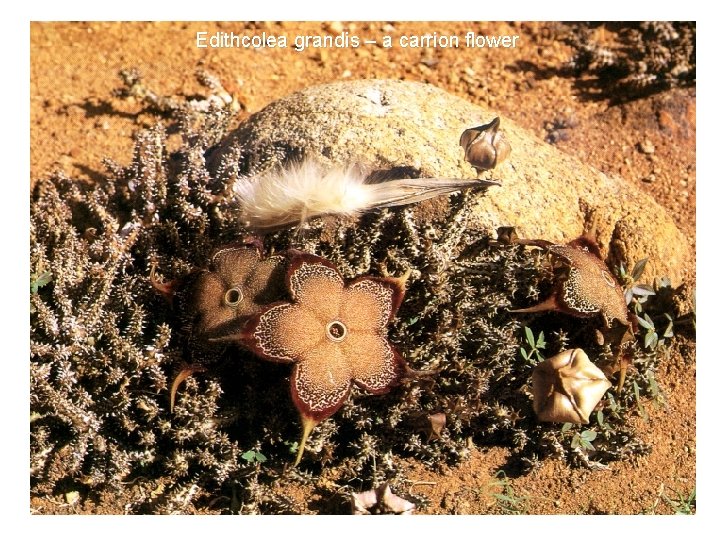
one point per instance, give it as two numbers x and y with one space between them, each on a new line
305 190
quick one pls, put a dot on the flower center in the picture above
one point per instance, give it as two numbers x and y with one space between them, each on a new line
336 331
233 296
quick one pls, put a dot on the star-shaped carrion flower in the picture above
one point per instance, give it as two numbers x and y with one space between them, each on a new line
587 287
219 300
238 282
335 334
567 387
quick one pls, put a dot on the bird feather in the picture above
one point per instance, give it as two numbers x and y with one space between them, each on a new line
304 190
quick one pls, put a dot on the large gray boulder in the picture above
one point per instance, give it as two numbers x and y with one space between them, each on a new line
388 124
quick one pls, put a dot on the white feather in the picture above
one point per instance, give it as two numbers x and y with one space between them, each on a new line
306 190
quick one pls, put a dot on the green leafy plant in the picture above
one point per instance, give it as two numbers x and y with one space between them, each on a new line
532 353
509 502
583 439
39 280
636 293
681 504
253 456
654 337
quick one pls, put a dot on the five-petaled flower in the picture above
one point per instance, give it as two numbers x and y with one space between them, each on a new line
238 284
335 334
219 300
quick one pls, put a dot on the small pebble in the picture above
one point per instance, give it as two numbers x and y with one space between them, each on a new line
336 27
647 147
650 178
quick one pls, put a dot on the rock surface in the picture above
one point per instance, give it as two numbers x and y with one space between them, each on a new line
387 124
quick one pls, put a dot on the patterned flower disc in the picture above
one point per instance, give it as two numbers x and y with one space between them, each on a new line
239 282
336 334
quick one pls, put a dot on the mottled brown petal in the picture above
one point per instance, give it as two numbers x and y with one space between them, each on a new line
234 264
367 305
590 287
321 381
374 364
260 281
574 294
206 304
284 332
266 282
317 286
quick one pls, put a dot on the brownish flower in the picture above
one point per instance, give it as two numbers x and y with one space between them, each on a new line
219 300
567 387
237 285
588 288
335 334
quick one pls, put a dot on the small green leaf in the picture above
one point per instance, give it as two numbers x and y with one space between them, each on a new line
646 322
613 404
639 268
589 435
529 337
524 354
669 330
628 296
566 426
643 290
600 418
577 441
40 281
540 344
586 444
252 456
651 340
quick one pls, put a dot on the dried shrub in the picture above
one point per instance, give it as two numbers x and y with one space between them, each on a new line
634 59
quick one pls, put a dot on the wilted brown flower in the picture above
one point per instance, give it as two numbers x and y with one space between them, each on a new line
218 301
588 288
